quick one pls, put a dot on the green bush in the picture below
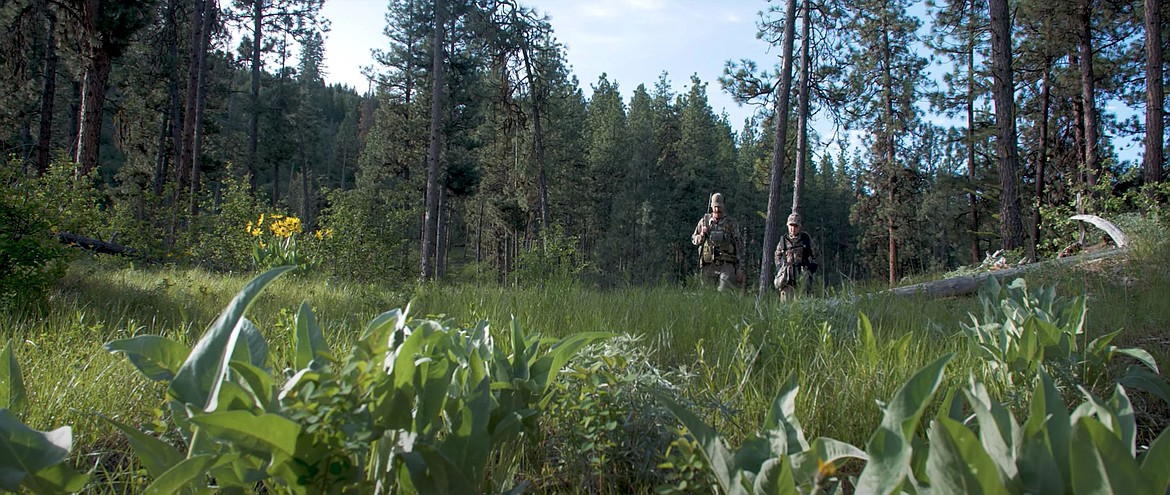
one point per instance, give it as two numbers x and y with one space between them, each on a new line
604 431
1020 333
367 244
33 211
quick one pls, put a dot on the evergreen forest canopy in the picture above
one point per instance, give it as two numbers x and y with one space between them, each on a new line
178 123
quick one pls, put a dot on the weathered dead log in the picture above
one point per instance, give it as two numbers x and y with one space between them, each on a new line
95 245
957 286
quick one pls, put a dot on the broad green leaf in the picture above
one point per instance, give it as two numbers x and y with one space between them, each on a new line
1142 356
190 474
25 451
889 461
199 379
155 455
1038 469
309 339
754 452
998 430
1137 377
775 478
781 419
12 393
910 400
957 462
58 478
468 444
712 445
380 326
890 450
159 358
1123 416
1102 463
520 353
1156 463
433 473
259 385
825 455
264 433
251 347
436 375
1048 403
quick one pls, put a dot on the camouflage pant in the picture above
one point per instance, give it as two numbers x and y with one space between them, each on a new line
720 273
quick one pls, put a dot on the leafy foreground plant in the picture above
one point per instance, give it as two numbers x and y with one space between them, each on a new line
1022 332
780 460
417 407
29 458
1090 450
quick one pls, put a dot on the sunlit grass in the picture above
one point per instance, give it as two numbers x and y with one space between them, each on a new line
733 352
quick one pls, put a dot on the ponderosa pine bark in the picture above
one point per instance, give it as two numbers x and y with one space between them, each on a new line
779 155
1088 94
1154 155
438 80
1011 228
802 107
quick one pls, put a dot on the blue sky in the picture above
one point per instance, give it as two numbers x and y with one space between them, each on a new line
632 41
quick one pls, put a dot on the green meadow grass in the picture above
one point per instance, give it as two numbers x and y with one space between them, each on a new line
732 353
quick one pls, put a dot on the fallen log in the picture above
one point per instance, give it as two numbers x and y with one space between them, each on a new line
958 286
95 245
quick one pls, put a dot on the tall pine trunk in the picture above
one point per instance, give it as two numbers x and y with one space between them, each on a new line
537 139
430 218
889 156
802 107
48 97
779 156
1011 228
1041 158
972 198
93 90
1088 95
254 122
209 11
93 96
1154 155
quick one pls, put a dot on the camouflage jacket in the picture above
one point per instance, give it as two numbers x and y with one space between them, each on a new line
722 242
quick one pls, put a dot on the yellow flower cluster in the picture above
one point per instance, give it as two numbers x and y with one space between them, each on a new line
281 226
323 234
255 230
284 227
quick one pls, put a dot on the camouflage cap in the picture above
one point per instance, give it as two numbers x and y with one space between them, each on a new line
717 200
794 219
